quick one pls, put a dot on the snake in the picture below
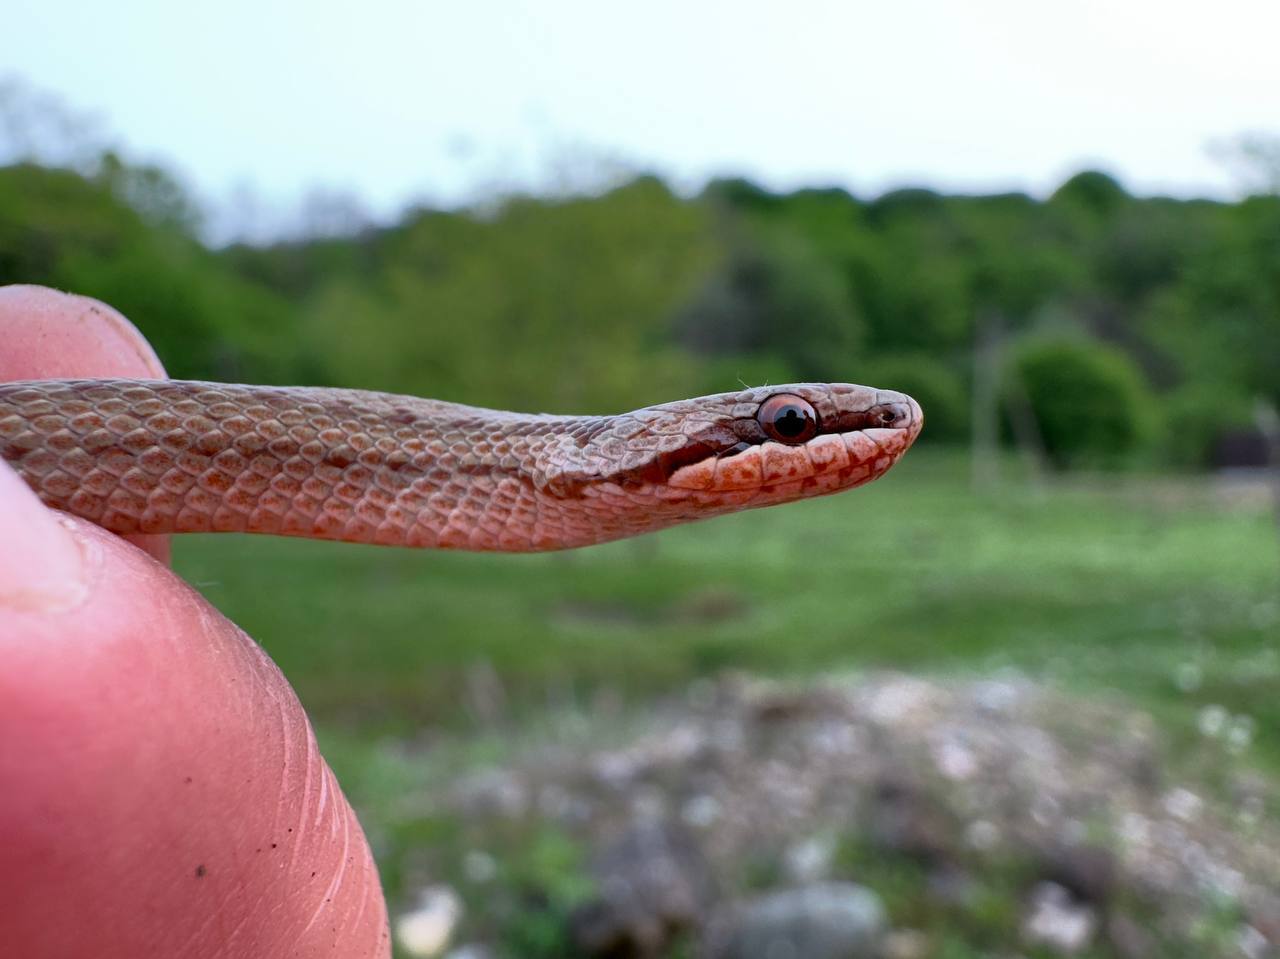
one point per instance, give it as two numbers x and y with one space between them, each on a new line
181 456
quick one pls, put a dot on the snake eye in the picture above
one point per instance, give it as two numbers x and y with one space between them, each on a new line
788 419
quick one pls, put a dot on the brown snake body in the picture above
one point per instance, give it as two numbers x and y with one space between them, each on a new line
171 456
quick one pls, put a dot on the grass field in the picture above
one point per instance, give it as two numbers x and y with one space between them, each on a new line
1151 587
1161 591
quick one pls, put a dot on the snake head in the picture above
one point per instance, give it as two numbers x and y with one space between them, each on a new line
755 447
793 441
692 459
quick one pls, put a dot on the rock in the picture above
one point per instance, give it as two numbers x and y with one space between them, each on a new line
832 920
1130 939
701 811
1087 871
495 792
784 704
907 821
951 886
809 860
653 884
1058 921
478 866
906 944
982 835
472 950
1263 914
782 786
901 701
1183 804
1251 943
425 931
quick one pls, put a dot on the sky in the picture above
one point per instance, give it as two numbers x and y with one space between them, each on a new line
412 100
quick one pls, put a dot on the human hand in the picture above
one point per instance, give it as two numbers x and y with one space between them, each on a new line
161 793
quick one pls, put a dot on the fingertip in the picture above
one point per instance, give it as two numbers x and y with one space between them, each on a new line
42 566
51 334
154 545
156 761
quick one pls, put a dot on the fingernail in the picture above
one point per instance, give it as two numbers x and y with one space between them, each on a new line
42 564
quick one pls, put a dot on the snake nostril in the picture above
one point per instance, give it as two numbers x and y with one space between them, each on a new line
888 417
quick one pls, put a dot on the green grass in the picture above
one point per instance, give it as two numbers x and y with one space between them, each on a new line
1118 583
1121 586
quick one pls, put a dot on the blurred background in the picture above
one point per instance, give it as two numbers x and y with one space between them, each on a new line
1017 698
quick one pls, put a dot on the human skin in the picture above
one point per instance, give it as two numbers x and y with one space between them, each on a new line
161 793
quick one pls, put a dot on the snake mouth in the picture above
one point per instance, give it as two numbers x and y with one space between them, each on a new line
852 448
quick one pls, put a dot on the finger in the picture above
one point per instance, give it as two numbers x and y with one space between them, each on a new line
161 793
48 334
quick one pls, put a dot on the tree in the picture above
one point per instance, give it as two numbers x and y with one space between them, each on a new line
774 296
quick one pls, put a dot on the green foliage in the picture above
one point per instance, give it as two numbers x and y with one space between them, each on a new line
911 203
600 303
1220 322
914 292
554 864
1008 249
723 374
1146 247
1195 416
150 190
1090 401
741 194
550 871
775 295
548 305
982 920
60 229
1093 191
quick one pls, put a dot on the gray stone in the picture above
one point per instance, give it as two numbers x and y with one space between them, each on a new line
906 944
906 820
472 950
831 920
1058 921
1087 870
1263 914
426 930
653 885
1130 939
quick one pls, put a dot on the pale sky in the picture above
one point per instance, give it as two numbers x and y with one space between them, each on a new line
397 99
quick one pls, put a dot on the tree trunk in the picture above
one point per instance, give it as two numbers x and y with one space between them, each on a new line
985 426
1268 420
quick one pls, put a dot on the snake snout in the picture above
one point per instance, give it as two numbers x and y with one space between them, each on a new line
898 411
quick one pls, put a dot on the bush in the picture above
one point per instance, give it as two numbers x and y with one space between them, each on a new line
1199 414
1091 403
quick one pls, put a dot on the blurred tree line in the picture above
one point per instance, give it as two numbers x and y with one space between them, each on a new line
1095 325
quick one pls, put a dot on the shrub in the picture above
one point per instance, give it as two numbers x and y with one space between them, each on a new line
1091 403
1198 415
